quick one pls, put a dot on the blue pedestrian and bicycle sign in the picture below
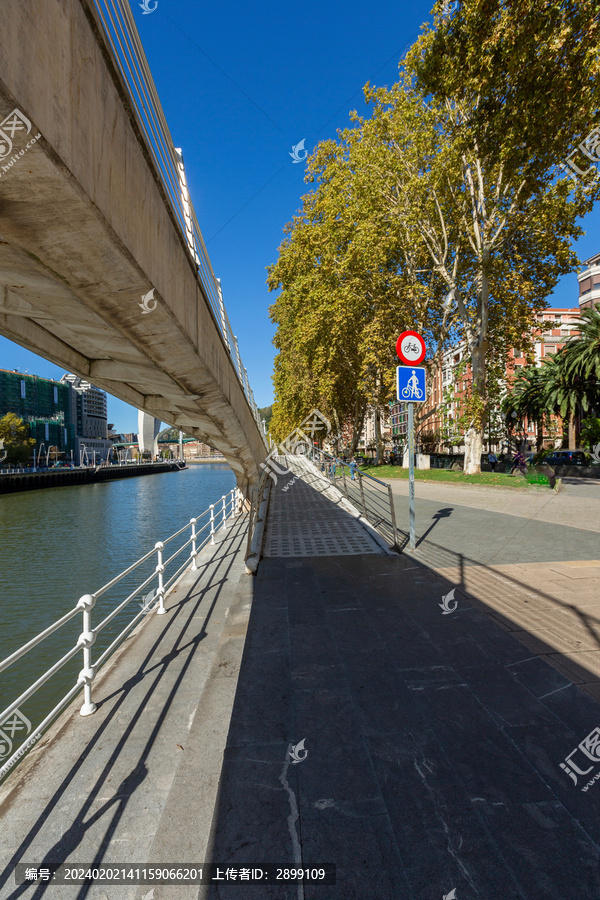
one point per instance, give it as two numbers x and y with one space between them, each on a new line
411 384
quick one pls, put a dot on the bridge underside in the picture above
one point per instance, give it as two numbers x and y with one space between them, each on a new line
85 233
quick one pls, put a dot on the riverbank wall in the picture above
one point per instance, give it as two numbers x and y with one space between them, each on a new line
33 481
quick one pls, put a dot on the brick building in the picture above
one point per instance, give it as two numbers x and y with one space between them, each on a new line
449 382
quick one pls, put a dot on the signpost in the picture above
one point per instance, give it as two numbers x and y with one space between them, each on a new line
410 382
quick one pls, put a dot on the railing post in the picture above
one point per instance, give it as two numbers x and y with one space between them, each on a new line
223 523
212 523
160 592
362 494
233 499
86 640
194 551
393 514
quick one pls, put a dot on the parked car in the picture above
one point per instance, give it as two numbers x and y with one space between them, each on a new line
566 458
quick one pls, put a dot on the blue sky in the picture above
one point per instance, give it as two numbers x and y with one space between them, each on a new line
241 84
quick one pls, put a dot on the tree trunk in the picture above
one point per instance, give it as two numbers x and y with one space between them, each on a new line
474 435
540 435
572 438
357 425
473 450
378 441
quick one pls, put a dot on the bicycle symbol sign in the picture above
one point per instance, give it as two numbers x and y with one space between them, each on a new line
410 348
411 384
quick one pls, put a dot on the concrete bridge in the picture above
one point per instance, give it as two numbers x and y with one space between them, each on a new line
94 215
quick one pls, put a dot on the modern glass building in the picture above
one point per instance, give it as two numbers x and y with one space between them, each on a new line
70 414
44 404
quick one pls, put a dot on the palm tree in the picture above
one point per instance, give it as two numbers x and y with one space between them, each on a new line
582 357
564 392
527 399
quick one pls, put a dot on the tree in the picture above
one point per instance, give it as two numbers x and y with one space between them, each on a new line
564 394
531 65
339 304
416 222
582 356
495 255
501 66
14 433
266 413
528 400
590 433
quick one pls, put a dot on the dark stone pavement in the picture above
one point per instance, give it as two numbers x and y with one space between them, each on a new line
434 743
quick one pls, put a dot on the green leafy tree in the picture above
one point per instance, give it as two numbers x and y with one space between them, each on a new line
495 243
14 435
418 222
564 394
582 356
528 399
590 433
532 69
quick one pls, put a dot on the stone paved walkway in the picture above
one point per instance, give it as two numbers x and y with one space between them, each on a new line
308 517
434 745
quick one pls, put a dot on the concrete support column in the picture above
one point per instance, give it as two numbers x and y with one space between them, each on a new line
148 429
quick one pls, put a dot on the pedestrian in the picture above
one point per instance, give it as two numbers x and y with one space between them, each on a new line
332 469
492 459
519 462
353 469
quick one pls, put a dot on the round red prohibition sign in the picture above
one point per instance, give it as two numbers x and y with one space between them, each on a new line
410 348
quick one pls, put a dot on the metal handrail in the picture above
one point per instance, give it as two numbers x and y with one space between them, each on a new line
230 506
379 511
124 46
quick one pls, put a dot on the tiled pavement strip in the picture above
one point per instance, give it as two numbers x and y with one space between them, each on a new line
434 741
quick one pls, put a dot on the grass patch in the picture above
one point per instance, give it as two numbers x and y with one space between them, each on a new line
495 479
537 478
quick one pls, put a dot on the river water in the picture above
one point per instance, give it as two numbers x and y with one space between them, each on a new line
59 543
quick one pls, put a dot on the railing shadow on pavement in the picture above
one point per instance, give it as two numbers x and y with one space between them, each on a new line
183 649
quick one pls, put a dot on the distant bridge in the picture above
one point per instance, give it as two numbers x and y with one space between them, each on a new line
95 216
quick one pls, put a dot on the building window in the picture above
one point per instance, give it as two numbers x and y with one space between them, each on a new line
56 395
22 390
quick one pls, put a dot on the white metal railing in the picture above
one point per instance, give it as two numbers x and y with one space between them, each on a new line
201 530
125 48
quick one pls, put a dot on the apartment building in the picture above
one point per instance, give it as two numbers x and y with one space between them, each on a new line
449 382
589 282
